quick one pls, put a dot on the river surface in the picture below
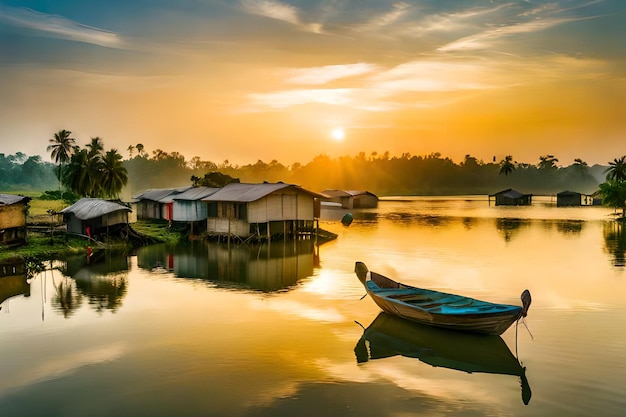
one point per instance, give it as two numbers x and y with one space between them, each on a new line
281 329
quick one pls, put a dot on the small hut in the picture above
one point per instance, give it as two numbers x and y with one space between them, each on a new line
261 210
157 203
94 216
350 199
573 199
13 210
511 197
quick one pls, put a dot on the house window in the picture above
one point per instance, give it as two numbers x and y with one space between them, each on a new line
212 209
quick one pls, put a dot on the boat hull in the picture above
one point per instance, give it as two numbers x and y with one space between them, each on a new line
493 324
435 308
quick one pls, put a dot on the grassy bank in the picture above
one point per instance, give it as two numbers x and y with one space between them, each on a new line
43 245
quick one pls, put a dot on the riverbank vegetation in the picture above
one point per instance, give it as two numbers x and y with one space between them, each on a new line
381 174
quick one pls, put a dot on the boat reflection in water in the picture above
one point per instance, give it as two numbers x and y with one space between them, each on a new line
262 267
389 336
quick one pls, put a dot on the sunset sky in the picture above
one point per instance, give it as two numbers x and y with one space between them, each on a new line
243 80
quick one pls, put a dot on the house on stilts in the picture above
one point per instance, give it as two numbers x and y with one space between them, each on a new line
13 209
262 211
94 217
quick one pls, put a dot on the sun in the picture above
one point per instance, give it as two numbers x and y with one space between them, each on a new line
338 134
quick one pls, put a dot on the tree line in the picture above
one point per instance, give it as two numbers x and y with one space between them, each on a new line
91 171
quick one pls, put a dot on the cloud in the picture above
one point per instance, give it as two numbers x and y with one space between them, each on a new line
59 27
483 40
325 74
389 17
279 11
289 98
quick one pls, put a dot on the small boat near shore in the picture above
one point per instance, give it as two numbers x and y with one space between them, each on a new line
440 309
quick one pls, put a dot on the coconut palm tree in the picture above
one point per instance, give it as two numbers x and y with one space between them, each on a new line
547 162
140 149
113 174
82 175
617 169
506 165
61 148
95 146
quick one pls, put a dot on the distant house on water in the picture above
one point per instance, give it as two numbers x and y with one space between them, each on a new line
510 197
573 199
261 210
13 219
93 216
350 199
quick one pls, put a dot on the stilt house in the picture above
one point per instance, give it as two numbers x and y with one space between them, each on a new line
157 203
13 210
511 197
573 199
262 210
94 216
352 198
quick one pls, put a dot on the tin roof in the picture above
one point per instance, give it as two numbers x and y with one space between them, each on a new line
8 199
194 194
346 193
156 194
246 193
89 208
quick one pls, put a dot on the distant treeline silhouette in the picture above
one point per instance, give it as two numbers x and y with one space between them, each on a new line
381 174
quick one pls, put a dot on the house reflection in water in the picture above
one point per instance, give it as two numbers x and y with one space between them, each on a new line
264 267
13 281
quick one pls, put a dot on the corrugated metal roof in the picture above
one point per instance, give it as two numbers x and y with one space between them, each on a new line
346 193
156 194
8 199
335 193
246 193
195 193
90 208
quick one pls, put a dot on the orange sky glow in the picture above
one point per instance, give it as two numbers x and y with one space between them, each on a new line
264 79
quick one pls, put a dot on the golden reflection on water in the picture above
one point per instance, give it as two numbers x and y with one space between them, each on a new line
270 331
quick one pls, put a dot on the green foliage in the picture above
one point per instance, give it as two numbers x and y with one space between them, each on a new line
94 173
24 173
66 196
614 194
213 179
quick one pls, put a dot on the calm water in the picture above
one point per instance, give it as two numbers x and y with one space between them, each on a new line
280 330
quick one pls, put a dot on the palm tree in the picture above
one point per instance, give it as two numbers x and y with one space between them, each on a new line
95 146
617 169
61 148
130 150
113 174
140 149
506 165
547 162
83 173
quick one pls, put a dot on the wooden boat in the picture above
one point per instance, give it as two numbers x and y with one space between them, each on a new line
389 336
440 309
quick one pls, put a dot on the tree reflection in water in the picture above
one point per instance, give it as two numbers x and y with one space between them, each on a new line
615 242
66 298
104 292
